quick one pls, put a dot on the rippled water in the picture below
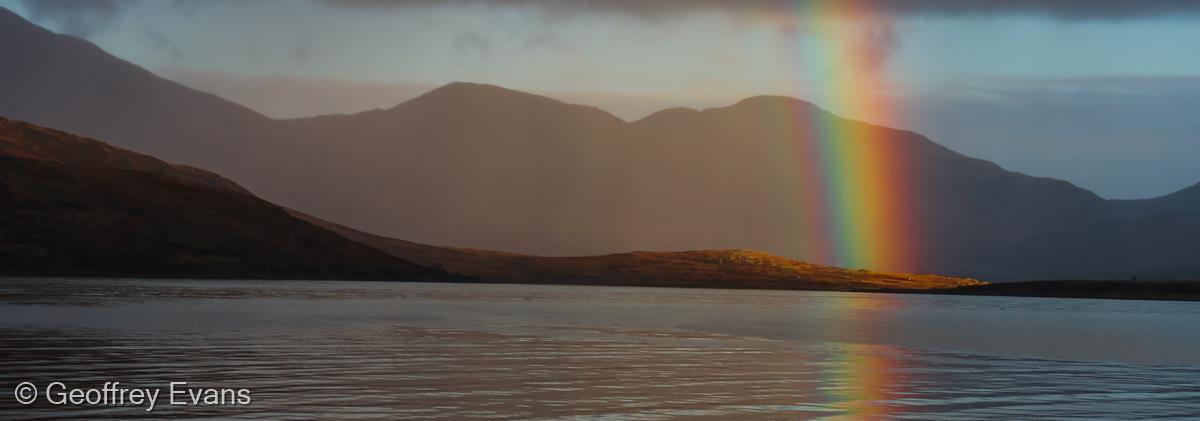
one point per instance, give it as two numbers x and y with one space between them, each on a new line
350 350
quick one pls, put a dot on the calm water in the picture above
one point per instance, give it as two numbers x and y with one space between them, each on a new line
351 350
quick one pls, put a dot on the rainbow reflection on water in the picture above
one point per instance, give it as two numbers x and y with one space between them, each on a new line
863 380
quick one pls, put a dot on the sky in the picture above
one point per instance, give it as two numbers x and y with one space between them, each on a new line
1101 93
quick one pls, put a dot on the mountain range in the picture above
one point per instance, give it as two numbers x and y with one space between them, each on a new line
486 167
75 206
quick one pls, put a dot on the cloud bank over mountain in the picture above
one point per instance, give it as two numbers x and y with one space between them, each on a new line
1061 9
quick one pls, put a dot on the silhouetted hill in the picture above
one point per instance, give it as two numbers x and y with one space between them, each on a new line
1120 290
693 268
1159 246
24 140
483 166
464 164
1146 239
744 154
1184 200
71 84
496 168
76 206
68 206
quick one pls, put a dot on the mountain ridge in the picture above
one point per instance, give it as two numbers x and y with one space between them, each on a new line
488 167
24 140
690 268
66 211
67 83
8 17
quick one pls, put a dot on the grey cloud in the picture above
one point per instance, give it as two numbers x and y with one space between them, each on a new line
1061 9
157 41
471 46
544 39
77 17
1120 136
84 18
472 42
302 50
878 40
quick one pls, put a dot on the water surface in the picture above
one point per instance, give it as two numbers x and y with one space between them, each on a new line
361 350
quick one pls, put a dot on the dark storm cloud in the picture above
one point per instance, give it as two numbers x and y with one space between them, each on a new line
86 17
77 17
879 40
1062 9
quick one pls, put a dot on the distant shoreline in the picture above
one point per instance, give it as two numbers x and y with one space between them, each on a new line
1081 289
1115 290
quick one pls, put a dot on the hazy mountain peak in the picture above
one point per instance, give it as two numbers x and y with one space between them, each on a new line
669 113
470 91
774 101
475 96
761 105
475 87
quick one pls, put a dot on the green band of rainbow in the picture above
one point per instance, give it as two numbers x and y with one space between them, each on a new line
855 177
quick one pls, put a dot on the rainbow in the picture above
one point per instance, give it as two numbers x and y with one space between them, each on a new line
854 191
855 187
